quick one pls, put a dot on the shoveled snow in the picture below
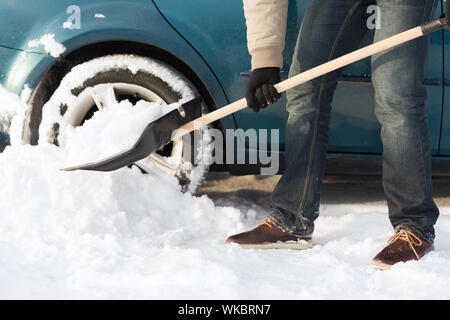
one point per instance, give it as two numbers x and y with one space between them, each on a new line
51 46
87 70
121 125
127 235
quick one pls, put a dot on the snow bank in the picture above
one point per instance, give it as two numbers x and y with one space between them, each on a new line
127 235
70 226
60 232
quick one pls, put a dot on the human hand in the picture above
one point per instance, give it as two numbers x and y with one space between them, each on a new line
260 91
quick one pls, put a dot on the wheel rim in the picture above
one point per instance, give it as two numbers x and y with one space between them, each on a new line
104 95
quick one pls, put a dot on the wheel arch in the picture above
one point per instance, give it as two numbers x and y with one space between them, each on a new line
51 78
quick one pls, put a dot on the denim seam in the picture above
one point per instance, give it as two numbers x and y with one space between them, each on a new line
316 120
427 236
422 149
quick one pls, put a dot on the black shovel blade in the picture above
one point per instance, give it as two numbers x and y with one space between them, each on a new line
155 136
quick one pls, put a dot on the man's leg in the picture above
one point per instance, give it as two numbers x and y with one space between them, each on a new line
397 76
329 29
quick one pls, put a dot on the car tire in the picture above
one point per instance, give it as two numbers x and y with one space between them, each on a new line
133 78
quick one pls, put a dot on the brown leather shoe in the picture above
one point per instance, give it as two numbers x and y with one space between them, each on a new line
268 236
403 246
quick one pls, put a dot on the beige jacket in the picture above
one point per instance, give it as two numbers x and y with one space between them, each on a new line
266 31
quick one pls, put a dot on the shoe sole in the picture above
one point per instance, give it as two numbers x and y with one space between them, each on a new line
279 245
381 265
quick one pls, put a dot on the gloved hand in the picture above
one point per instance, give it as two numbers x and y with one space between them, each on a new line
260 91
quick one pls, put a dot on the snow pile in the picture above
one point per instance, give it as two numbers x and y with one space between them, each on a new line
51 46
121 125
93 234
70 226
75 79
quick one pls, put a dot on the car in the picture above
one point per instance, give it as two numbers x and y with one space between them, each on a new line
202 44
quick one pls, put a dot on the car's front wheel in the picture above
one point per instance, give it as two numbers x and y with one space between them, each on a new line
95 84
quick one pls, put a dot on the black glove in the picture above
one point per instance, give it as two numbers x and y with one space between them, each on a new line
260 91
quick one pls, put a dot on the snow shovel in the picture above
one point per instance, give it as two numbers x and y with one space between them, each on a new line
180 122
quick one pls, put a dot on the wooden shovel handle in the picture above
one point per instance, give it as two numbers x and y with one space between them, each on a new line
305 76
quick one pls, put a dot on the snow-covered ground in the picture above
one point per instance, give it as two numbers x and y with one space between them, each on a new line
128 235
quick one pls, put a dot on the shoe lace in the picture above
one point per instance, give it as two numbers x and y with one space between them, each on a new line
265 222
409 237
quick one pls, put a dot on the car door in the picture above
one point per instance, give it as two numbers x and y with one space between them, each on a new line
217 31
354 128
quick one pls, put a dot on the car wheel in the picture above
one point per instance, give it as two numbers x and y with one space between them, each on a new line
87 88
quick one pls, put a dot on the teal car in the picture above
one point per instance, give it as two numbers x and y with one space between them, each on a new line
203 43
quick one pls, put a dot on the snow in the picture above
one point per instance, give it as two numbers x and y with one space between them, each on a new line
121 124
51 46
67 25
7 108
82 72
93 235
26 93
12 112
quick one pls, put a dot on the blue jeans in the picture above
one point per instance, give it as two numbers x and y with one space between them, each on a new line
330 29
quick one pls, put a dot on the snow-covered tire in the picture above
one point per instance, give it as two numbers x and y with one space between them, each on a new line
134 78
